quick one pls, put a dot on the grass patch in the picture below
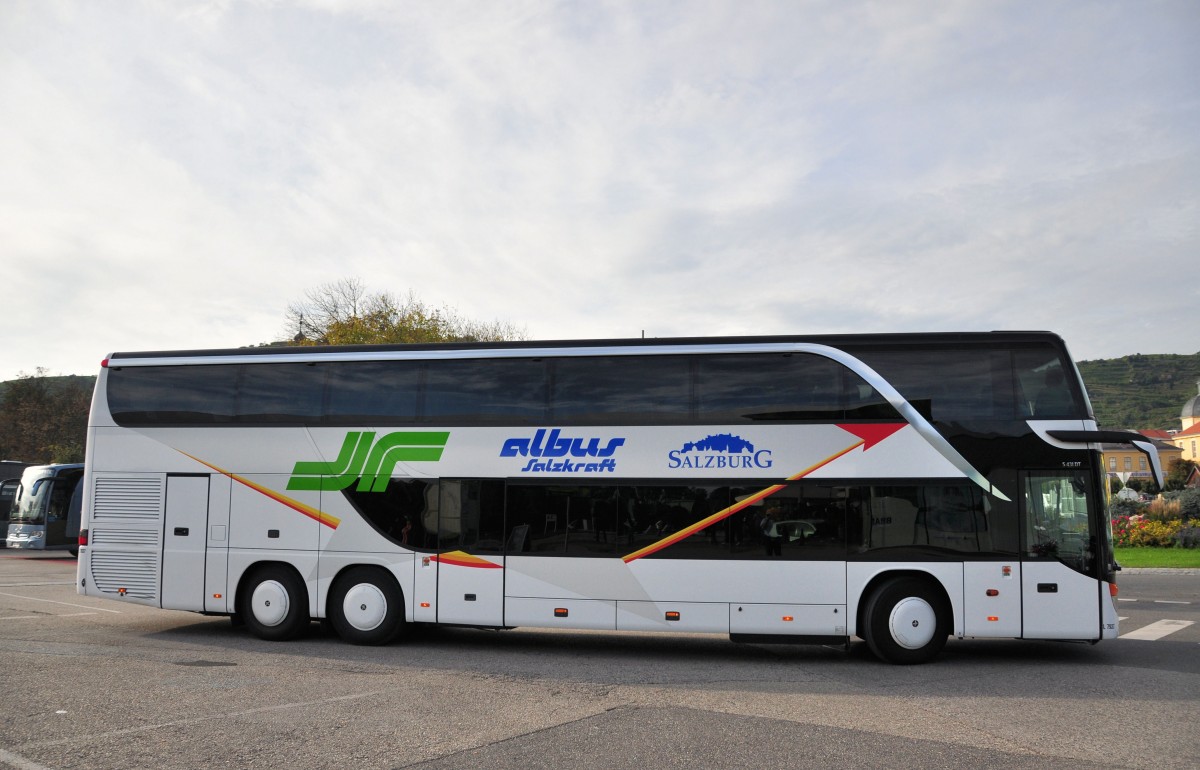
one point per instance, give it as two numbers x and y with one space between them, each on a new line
1158 557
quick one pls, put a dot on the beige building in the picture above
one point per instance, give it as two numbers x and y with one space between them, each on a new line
1188 439
1120 459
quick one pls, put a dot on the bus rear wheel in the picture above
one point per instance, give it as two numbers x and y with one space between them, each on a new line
366 606
273 603
906 621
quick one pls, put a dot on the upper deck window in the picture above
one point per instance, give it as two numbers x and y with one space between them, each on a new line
946 383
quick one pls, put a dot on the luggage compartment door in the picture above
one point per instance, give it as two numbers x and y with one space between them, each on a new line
185 526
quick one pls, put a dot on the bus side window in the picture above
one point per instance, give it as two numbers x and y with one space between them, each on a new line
1053 400
60 498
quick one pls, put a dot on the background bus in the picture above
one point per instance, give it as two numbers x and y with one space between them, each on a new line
10 479
46 507
897 488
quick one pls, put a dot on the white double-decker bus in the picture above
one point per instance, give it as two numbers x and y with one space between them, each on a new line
898 488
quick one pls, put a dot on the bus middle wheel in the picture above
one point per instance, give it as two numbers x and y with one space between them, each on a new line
273 603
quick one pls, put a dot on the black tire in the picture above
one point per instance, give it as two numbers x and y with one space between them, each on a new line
366 606
273 603
907 621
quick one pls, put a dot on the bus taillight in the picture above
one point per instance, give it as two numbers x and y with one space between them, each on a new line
83 537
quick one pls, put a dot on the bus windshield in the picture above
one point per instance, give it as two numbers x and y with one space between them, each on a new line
29 505
43 494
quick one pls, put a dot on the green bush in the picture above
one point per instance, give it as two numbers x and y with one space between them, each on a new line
1188 536
1126 508
1188 501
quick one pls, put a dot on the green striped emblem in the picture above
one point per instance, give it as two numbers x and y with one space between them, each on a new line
369 461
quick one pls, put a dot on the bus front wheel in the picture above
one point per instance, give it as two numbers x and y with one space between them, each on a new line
906 621
366 606
274 604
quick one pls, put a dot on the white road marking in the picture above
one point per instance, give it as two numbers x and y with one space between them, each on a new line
53 583
65 604
19 762
1158 630
197 720
47 615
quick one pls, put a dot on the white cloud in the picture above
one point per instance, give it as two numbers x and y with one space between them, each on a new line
181 173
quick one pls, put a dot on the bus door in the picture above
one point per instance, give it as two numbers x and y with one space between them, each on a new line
185 537
65 502
1060 591
470 561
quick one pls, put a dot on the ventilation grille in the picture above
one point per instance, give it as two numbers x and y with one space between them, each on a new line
136 573
128 498
111 536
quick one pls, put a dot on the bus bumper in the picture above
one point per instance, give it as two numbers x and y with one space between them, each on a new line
27 539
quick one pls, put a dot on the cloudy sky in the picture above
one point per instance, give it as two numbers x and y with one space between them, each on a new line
175 174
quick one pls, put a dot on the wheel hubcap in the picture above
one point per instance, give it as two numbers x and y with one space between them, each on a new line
365 607
270 603
913 623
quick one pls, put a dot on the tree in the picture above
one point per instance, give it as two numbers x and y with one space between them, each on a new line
1139 485
44 419
344 313
1177 474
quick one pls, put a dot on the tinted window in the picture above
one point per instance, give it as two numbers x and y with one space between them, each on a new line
794 523
500 391
1044 387
405 512
621 389
954 517
149 395
797 522
562 520
471 516
949 384
373 392
946 384
748 388
289 393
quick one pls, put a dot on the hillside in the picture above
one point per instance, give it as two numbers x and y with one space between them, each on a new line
1140 392
1135 392
58 382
